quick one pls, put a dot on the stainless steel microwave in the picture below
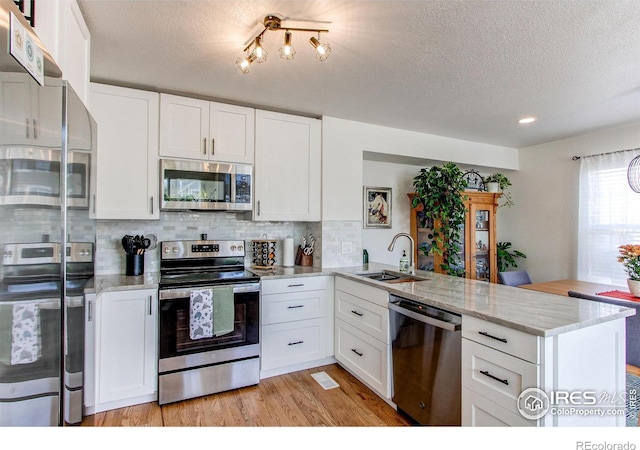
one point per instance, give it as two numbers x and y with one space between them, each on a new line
205 185
31 176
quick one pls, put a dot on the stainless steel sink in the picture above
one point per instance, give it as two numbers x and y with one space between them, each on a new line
391 277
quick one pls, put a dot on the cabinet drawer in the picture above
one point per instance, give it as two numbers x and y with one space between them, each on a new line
285 285
374 295
478 411
496 375
514 342
364 315
277 308
289 343
366 357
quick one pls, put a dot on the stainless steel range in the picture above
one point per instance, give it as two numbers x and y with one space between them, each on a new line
208 320
40 334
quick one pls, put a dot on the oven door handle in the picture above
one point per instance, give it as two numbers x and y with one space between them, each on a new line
43 303
169 294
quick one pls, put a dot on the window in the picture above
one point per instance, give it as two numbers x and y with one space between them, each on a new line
609 216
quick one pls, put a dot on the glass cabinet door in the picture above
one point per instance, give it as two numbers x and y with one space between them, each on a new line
479 243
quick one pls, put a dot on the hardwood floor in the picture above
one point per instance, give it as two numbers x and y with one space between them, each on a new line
291 400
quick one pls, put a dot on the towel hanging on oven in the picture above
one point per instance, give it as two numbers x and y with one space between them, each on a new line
223 310
201 314
20 333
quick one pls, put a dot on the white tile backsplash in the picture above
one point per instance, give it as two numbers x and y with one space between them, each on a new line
110 256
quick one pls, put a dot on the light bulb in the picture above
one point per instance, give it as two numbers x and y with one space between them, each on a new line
245 63
322 50
259 52
287 51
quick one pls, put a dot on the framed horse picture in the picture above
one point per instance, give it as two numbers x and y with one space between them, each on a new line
377 207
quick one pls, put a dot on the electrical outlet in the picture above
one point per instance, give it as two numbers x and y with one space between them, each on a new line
347 247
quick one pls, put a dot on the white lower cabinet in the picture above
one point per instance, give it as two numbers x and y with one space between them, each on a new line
500 363
296 324
362 341
126 342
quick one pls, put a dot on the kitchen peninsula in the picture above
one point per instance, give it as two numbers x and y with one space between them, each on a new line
513 340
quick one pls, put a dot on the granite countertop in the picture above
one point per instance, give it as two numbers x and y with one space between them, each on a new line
534 312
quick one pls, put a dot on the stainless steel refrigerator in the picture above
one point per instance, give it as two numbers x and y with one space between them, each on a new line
47 231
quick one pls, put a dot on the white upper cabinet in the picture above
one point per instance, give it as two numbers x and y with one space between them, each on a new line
127 166
198 129
63 31
31 115
287 167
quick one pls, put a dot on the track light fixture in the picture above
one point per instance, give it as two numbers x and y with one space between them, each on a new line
254 52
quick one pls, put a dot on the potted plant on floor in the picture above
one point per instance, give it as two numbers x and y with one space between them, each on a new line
507 257
440 189
497 182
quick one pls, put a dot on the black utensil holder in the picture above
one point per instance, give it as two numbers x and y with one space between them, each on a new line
135 265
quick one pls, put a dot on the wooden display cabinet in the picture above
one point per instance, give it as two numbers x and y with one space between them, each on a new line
479 242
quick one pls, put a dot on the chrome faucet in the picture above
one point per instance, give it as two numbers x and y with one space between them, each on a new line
413 244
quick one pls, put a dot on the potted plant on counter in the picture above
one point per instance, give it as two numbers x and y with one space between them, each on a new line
497 182
630 259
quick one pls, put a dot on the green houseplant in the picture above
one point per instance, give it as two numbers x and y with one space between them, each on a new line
440 190
497 182
507 257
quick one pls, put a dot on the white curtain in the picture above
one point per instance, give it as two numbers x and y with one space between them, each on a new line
609 216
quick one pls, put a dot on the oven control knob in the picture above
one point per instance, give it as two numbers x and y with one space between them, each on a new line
233 248
240 248
174 250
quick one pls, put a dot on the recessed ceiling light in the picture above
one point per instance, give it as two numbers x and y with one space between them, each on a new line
526 120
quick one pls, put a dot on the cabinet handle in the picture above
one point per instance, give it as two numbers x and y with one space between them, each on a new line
35 129
89 311
356 352
151 204
295 343
213 146
487 374
94 203
258 207
357 313
27 127
297 306
204 146
484 333
296 285
150 304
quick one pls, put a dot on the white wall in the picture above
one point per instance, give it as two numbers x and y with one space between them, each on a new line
544 222
399 177
345 141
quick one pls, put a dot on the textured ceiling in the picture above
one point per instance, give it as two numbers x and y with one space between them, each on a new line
464 69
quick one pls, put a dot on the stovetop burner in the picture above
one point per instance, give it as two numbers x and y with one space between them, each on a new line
203 263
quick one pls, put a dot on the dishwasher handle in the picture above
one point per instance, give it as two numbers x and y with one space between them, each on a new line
422 316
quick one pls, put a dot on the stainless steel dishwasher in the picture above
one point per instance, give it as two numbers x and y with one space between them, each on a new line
426 354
